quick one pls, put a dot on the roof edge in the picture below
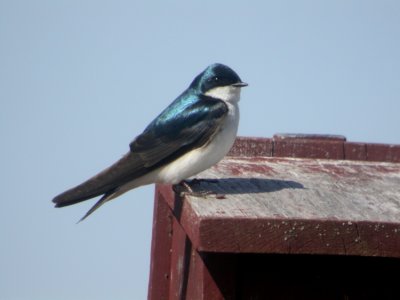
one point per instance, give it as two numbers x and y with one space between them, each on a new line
317 146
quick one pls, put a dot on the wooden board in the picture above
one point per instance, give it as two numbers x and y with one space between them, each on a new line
293 205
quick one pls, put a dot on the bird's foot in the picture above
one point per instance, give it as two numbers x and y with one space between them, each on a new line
183 188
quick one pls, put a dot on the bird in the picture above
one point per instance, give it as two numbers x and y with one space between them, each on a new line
189 136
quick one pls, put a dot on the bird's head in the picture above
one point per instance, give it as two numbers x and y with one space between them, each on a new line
219 81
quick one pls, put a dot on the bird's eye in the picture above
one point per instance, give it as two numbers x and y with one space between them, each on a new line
216 78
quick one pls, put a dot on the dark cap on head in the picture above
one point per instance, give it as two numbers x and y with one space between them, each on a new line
216 75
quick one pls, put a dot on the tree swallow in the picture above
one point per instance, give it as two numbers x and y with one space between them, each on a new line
192 134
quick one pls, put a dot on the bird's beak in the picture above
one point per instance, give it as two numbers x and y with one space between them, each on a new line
240 84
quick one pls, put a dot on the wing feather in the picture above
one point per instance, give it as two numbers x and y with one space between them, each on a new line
183 126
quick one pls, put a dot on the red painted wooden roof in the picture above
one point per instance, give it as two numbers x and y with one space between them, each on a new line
308 194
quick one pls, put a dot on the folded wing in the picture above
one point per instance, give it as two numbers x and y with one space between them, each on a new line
177 130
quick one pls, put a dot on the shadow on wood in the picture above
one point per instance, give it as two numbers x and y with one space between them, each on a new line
231 186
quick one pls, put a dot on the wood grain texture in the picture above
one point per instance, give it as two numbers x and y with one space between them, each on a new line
292 194
292 205
309 146
161 246
314 146
251 146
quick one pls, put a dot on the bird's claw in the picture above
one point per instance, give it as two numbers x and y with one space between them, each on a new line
184 189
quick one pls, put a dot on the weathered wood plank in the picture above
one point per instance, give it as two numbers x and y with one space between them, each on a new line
161 246
287 205
309 146
301 189
314 146
252 146
383 152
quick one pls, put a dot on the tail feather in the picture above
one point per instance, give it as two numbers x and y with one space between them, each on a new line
73 196
82 192
117 179
106 182
99 203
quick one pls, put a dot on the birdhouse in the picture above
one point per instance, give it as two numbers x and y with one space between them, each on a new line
288 217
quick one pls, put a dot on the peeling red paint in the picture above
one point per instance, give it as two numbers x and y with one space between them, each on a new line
328 197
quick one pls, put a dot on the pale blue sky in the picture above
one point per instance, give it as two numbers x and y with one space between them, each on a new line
80 79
